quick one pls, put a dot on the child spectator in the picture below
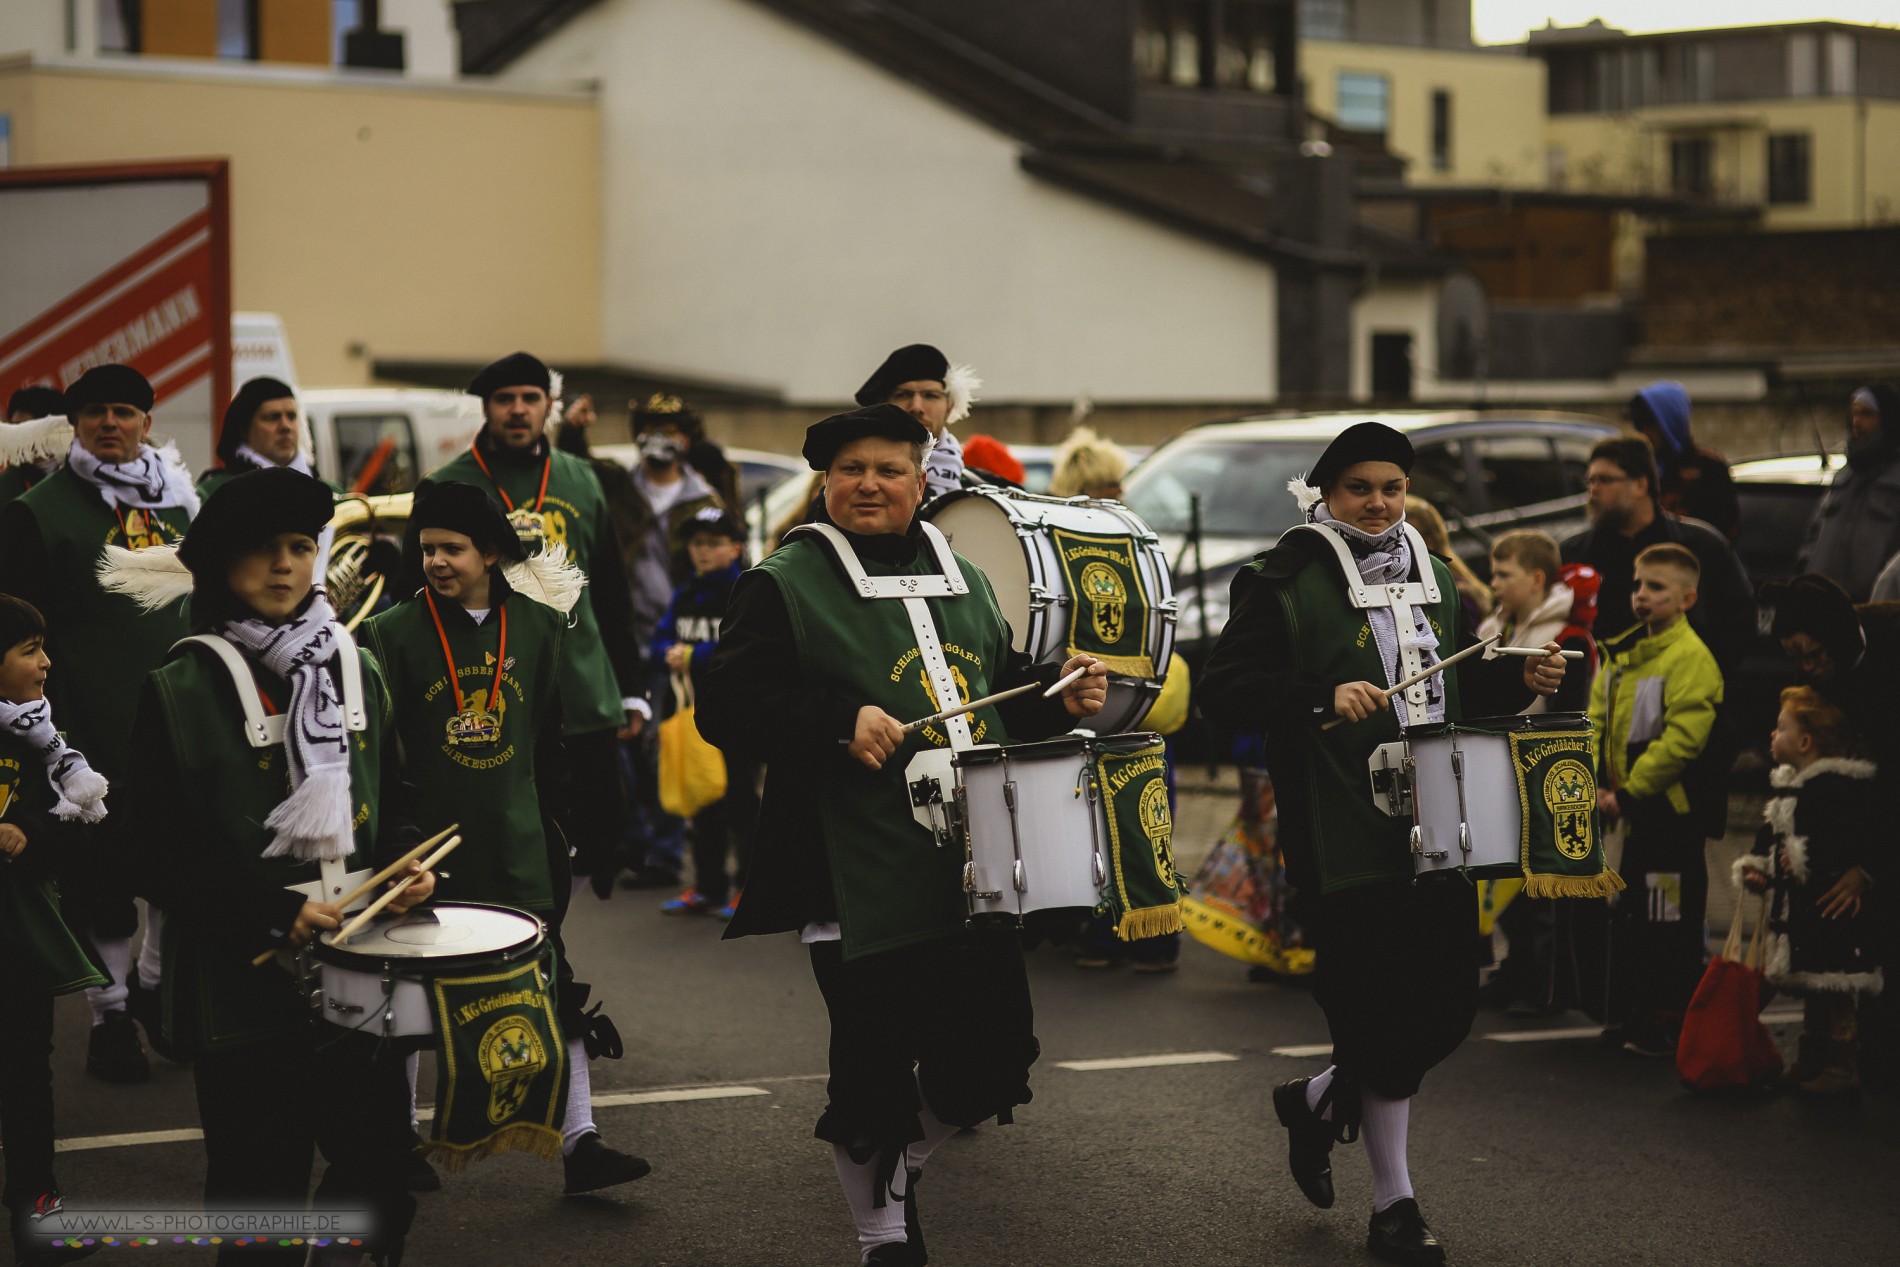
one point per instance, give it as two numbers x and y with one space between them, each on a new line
1536 605
1652 709
1473 593
684 641
1812 854
42 781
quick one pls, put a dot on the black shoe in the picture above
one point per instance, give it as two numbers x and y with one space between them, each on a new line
592 1165
1398 1235
113 1053
142 1006
417 1174
1309 1140
913 1228
892 1254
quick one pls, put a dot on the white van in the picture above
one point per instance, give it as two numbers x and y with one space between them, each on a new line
379 440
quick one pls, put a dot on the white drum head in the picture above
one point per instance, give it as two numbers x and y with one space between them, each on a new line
440 932
982 532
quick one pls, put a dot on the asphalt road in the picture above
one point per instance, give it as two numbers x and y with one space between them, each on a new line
1552 1151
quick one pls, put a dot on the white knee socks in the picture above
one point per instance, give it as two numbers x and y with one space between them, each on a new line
877 1225
116 955
413 1064
1316 1087
1383 1123
936 1131
148 949
579 1119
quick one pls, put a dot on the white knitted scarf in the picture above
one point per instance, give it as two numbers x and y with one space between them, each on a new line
313 823
299 463
155 480
1383 560
82 790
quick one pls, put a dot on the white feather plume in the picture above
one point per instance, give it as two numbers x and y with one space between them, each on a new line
35 441
548 578
557 411
154 576
962 384
1303 493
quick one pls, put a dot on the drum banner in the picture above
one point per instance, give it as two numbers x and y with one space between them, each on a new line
1144 899
1237 903
1108 614
1562 846
501 1075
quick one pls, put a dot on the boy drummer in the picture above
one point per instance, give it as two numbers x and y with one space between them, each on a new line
226 828
474 667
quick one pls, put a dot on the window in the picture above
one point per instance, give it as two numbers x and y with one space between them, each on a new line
1439 476
1789 167
1692 167
1698 72
1519 471
345 16
1841 57
119 26
1244 53
1804 67
1362 103
237 29
381 447
1441 130
1238 482
1324 20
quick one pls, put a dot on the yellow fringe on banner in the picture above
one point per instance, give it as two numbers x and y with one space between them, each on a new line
1150 921
1608 884
519 1137
1219 929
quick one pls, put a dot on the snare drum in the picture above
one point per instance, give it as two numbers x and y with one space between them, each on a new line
378 981
1033 823
1465 799
1030 547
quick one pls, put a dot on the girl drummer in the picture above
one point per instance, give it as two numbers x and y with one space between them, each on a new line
226 827
1394 969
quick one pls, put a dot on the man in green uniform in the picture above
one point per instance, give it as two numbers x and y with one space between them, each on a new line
115 489
554 499
30 452
474 667
228 822
815 674
1324 625
262 428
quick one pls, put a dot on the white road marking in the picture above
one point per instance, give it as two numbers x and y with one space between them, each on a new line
86 1143
1302 1053
1148 1062
615 1099
1591 1031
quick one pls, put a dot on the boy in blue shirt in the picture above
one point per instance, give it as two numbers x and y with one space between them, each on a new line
684 641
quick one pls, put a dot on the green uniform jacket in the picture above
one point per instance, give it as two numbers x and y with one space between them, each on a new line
217 477
492 790
37 950
600 663
1652 707
893 885
16 480
200 795
1291 639
102 644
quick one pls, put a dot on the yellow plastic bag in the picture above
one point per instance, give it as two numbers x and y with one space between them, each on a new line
692 771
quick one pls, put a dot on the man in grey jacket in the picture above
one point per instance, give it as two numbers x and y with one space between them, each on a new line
1856 528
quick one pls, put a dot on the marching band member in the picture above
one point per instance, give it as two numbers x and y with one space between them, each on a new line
922 382
553 498
474 666
114 490
1309 643
27 451
227 826
262 428
816 682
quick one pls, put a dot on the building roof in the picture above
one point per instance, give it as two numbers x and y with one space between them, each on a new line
1596 32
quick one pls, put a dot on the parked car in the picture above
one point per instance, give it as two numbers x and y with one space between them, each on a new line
382 440
1778 497
1486 471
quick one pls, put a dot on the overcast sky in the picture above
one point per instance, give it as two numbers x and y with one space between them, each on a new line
1505 21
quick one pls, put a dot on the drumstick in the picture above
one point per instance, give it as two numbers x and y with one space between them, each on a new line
386 873
1054 689
1537 652
1416 678
375 908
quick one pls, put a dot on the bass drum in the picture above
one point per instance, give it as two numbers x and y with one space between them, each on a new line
1031 547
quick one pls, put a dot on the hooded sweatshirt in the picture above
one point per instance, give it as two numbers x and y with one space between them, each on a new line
1856 528
1695 480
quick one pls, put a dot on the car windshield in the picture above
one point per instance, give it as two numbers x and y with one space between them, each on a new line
1242 484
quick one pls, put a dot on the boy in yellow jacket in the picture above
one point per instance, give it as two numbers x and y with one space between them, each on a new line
1652 708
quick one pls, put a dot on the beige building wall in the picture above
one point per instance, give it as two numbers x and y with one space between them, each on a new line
378 218
1854 155
1497 107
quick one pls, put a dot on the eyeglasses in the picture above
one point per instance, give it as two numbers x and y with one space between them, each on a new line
1598 481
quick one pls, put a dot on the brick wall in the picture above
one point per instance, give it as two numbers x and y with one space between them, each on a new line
1767 291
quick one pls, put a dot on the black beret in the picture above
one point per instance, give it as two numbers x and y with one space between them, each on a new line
247 511
457 507
1361 442
824 439
109 385
38 401
714 521
912 363
1814 605
243 408
517 369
